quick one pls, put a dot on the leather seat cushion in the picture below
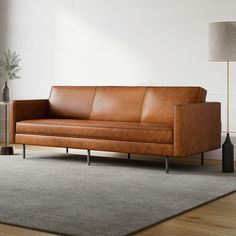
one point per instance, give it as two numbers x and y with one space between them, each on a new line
122 131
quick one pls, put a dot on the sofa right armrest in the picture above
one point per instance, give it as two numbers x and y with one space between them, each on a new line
197 128
26 110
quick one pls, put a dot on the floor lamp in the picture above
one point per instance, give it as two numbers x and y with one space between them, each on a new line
222 47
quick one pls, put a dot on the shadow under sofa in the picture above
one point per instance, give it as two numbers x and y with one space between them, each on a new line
160 121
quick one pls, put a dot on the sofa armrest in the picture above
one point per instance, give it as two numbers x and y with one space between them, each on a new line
26 110
197 128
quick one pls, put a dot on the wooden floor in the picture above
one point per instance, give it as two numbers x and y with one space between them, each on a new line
217 218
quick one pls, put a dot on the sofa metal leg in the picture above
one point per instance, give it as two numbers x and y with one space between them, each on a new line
67 150
202 158
128 155
167 165
88 158
23 151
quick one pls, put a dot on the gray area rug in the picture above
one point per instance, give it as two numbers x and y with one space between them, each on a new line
60 193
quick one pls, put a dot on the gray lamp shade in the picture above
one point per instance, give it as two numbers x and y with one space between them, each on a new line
222 41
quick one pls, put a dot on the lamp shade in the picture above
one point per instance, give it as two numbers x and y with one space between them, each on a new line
222 41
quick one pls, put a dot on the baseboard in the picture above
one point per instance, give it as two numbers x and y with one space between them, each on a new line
214 155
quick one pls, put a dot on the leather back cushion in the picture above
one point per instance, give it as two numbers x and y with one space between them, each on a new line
71 101
115 103
118 103
159 102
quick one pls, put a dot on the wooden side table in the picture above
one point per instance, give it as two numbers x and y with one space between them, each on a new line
6 150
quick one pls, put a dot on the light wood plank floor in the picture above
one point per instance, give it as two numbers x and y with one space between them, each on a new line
217 218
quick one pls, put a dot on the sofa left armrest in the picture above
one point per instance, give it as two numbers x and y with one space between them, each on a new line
197 128
26 110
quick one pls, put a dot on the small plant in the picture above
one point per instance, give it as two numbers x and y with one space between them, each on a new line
9 67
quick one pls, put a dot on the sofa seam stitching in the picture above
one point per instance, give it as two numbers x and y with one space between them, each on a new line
92 103
143 104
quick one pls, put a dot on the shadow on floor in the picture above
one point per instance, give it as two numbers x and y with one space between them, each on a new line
178 166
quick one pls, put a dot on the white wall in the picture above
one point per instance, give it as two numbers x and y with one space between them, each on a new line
3 33
117 42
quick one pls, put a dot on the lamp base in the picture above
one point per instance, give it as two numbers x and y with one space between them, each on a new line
227 155
7 150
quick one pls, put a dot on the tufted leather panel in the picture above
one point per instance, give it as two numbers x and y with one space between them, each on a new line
71 101
159 102
118 103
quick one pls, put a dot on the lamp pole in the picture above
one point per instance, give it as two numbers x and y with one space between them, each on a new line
227 96
222 47
228 147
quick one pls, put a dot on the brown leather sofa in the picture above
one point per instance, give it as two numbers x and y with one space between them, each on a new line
160 121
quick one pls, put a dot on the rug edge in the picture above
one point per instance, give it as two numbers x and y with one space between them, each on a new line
178 214
36 229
